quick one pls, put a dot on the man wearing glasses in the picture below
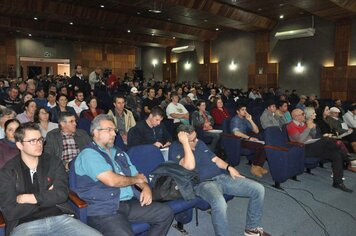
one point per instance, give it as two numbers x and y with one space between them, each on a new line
302 131
34 190
116 193
66 141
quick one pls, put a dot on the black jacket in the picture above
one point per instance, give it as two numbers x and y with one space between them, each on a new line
50 171
185 179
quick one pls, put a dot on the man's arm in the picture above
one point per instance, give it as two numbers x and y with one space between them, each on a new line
188 161
112 179
254 126
223 165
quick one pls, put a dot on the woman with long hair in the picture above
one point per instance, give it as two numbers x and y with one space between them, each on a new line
62 101
93 110
219 112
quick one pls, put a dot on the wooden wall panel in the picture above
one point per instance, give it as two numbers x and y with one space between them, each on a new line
214 71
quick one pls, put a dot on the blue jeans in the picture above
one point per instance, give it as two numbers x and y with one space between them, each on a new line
158 215
212 192
55 225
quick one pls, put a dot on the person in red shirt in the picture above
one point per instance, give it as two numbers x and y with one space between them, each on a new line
219 112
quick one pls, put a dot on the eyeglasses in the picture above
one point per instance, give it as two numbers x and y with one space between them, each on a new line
35 141
109 129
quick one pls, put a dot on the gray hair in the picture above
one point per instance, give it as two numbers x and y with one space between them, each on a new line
186 128
6 112
309 111
62 116
95 124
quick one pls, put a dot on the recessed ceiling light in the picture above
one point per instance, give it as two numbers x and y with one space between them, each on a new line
71 23
153 34
102 6
259 9
174 37
205 20
281 16
217 29
169 19
156 11
138 13
128 31
35 18
281 4
30 35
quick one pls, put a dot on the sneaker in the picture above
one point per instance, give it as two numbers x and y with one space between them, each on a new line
256 171
342 187
256 232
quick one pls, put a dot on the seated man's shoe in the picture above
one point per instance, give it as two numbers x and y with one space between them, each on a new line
342 187
350 157
256 171
256 232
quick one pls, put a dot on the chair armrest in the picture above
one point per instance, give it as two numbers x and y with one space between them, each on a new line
80 203
230 136
278 148
296 144
2 221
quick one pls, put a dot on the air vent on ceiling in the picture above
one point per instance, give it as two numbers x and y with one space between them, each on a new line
292 34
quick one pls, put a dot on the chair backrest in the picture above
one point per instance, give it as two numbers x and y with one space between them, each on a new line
226 125
72 176
145 157
84 124
231 146
274 136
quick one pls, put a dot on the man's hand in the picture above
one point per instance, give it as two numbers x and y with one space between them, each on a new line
146 196
140 179
253 139
234 173
26 198
167 144
158 144
248 116
183 138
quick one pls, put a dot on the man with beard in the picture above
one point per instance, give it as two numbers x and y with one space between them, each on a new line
107 181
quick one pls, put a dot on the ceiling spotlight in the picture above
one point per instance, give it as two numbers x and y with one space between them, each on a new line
281 4
30 35
153 34
102 6
259 9
205 20
138 13
217 29
35 18
128 31
71 23
281 16
169 19
173 37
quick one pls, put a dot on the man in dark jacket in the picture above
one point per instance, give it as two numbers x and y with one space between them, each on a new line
150 131
34 190
66 141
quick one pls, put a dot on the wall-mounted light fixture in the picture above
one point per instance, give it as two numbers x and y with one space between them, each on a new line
154 62
232 66
187 65
299 68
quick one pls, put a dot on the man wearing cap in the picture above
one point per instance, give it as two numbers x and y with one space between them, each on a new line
134 103
301 103
270 118
350 117
339 127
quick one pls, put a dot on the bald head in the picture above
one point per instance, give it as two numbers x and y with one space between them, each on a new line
298 115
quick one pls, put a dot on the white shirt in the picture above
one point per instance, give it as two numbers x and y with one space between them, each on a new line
178 109
78 109
350 119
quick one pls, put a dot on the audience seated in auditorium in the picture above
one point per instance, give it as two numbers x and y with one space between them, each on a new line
11 99
28 113
42 119
123 118
98 175
62 101
301 130
242 125
350 117
40 98
33 201
177 111
270 117
150 131
203 120
92 110
5 115
78 102
7 144
254 94
338 104
51 100
66 141
166 101
193 154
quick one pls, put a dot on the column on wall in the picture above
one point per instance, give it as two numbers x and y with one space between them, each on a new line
262 73
8 57
339 81
208 71
169 68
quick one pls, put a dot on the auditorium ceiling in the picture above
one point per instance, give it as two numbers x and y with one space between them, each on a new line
158 23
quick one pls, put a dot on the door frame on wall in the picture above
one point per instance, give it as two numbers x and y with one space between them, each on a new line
51 63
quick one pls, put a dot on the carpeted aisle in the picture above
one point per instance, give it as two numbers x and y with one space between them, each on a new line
293 212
